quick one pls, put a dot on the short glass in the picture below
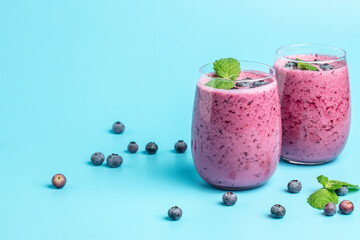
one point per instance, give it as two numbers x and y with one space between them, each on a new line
236 133
315 102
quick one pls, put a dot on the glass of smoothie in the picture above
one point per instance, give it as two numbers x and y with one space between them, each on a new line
236 128
315 102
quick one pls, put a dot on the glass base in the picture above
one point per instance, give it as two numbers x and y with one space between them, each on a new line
298 162
232 188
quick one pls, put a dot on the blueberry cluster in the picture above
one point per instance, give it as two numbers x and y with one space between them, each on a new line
294 65
249 84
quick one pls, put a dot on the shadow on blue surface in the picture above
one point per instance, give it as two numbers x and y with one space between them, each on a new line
51 186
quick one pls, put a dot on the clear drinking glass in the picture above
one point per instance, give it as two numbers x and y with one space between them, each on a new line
315 102
236 133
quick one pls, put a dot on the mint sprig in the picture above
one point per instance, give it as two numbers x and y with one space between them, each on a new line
225 68
327 194
220 84
228 68
305 66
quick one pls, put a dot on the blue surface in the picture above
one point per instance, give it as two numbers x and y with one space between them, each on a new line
69 69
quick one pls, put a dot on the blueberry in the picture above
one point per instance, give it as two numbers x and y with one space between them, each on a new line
242 84
247 78
294 186
233 88
258 83
58 180
175 213
326 66
342 191
132 147
346 207
291 64
118 127
114 160
277 211
97 158
180 146
229 198
330 209
151 148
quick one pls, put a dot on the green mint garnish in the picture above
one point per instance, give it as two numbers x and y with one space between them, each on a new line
305 66
321 197
334 184
327 194
226 68
220 84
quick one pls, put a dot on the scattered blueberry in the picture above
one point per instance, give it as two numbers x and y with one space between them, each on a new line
118 127
175 213
114 160
97 158
229 198
180 146
258 83
294 186
234 88
242 84
58 180
330 209
277 211
342 191
326 66
151 148
346 207
132 147
291 64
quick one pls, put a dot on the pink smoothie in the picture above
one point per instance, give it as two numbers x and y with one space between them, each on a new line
315 110
236 133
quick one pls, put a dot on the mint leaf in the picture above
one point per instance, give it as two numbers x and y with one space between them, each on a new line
321 197
228 68
305 66
323 180
334 184
220 84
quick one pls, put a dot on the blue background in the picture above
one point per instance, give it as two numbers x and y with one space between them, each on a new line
69 69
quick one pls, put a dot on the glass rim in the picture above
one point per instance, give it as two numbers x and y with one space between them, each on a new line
272 74
342 57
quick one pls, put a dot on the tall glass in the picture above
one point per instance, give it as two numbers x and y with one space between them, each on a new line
236 133
315 102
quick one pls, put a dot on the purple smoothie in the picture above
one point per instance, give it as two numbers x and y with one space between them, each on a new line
315 109
236 133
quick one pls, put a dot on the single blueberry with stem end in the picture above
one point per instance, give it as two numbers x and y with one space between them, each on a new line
180 146
342 191
277 211
97 158
229 198
114 160
175 213
151 148
330 209
294 186
346 207
118 127
132 147
58 180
